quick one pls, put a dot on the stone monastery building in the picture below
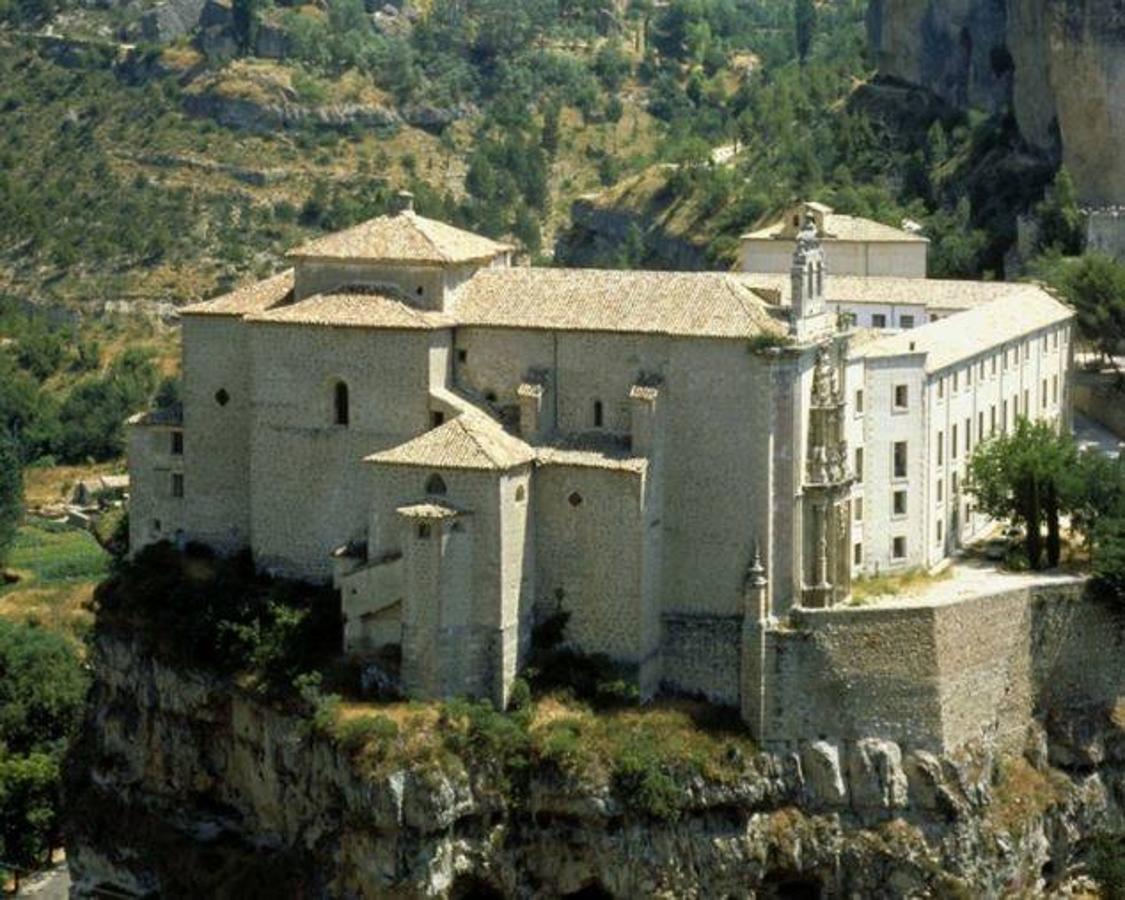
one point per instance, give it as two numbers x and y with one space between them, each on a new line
676 459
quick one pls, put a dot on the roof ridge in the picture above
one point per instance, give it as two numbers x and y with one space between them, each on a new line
415 220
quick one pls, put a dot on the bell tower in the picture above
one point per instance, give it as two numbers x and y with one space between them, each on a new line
809 318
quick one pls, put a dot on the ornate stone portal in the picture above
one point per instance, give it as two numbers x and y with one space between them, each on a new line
826 491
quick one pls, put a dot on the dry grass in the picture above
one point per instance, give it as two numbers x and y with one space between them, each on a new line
875 587
51 485
1022 793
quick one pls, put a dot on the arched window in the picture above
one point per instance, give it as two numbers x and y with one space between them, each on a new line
340 399
520 494
598 416
435 484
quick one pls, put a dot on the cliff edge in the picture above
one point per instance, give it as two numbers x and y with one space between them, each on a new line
1057 65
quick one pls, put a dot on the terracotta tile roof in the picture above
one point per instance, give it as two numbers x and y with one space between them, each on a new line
933 293
404 237
706 304
354 310
592 450
470 441
254 298
840 227
976 331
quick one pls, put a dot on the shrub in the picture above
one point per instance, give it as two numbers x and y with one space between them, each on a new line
1107 865
358 734
643 783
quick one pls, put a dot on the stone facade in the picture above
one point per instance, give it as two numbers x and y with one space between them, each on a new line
465 448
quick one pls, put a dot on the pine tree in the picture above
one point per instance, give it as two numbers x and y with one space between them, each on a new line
804 14
11 493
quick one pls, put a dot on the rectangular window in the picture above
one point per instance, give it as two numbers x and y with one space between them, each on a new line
968 435
993 363
859 401
462 355
953 484
940 529
1026 402
857 554
1044 343
1055 340
859 464
968 375
953 443
940 447
941 387
1006 353
906 321
437 417
1054 388
981 373
901 395
980 427
177 443
899 501
878 320
1004 416
940 488
955 382
1026 350
898 548
1044 394
992 420
900 459
858 507
177 484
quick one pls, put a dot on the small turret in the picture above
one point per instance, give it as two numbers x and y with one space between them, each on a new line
810 317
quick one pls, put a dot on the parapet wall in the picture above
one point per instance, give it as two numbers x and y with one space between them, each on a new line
935 676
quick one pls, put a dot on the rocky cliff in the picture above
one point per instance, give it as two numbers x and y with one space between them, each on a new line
1058 65
186 786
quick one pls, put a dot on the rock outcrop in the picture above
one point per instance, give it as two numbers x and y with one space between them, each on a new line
184 784
1058 65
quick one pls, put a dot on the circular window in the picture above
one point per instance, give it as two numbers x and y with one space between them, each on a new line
574 499
222 397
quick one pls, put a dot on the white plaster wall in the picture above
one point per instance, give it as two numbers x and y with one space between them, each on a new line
905 260
892 313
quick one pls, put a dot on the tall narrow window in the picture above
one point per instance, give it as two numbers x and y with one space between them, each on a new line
598 417
968 435
177 484
859 401
940 447
953 443
859 464
177 443
900 396
899 459
340 399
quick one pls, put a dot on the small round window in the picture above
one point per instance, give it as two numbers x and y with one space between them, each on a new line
222 397
575 499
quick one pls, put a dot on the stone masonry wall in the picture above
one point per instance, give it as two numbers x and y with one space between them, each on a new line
701 655
940 675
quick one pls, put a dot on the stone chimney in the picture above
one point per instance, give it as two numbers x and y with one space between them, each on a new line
532 395
643 400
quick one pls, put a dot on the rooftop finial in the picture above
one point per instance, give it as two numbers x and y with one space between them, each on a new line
404 202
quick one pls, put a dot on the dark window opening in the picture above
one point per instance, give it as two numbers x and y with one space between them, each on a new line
419 290
462 355
435 484
343 413
222 397
490 396
520 493
177 484
155 524
423 532
575 499
437 417
177 443
598 414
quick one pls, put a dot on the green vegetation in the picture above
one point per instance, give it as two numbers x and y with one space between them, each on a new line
1033 476
1107 864
1094 284
11 494
42 686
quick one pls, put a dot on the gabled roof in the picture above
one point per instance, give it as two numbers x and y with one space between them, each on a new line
841 227
354 310
254 298
976 331
470 441
933 293
403 237
706 304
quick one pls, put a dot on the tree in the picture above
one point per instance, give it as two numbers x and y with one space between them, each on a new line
11 493
1095 287
804 15
1022 477
30 800
244 20
1060 219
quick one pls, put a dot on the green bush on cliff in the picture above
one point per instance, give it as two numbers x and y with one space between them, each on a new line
218 613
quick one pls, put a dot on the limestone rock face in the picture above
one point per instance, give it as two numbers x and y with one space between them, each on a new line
1059 65
184 786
